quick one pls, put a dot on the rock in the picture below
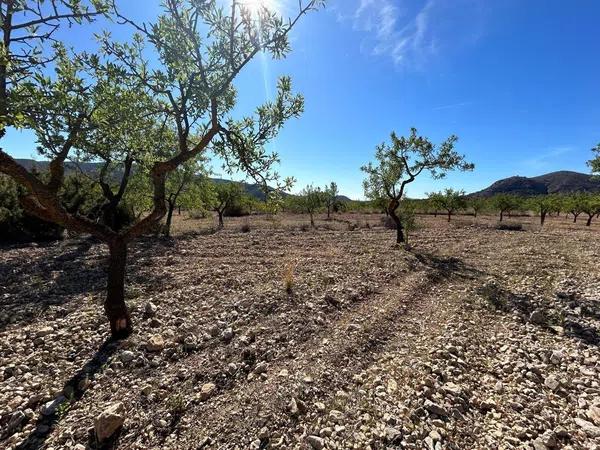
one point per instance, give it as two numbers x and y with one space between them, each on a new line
155 344
50 408
227 334
552 383
293 407
594 414
537 317
336 416
434 408
588 428
548 439
393 435
556 357
207 390
316 442
127 356
109 421
44 331
150 309
539 445
261 367
15 422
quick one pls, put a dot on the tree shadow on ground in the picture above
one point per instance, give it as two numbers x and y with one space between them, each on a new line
64 272
552 319
445 267
73 391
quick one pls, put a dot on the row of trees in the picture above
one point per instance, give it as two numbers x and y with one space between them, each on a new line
451 201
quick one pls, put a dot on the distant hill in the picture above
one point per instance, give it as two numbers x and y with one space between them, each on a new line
562 182
253 189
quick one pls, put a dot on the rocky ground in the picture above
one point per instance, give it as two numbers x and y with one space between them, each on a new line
472 338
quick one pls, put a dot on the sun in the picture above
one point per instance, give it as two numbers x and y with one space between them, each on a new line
255 6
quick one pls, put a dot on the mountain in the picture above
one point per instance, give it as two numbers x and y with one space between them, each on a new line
562 182
253 189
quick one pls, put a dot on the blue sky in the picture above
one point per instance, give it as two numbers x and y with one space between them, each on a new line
517 81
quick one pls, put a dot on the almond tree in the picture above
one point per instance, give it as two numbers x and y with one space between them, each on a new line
477 204
449 200
504 203
175 108
401 162
311 200
330 198
223 196
543 205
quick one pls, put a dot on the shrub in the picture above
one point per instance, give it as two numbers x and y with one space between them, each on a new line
200 213
509 226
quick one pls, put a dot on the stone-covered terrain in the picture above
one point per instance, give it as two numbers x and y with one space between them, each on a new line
471 338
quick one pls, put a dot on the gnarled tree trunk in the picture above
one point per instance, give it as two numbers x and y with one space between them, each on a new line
399 228
114 305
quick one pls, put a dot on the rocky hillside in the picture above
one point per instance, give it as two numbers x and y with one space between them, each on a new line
562 182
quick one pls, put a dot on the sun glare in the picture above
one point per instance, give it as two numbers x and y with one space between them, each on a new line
257 5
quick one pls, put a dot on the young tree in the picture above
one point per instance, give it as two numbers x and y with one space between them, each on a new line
401 162
543 205
311 200
330 197
183 186
576 204
449 200
590 206
504 203
125 109
477 204
224 196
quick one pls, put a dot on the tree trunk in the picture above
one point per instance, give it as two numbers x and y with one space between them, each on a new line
575 218
328 212
542 218
589 221
179 210
399 229
501 215
312 220
449 215
169 219
114 306
221 224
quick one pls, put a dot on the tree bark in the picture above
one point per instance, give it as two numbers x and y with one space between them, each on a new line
542 218
575 218
114 306
221 224
399 229
589 221
449 215
312 220
169 219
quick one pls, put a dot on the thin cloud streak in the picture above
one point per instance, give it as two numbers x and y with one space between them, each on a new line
413 36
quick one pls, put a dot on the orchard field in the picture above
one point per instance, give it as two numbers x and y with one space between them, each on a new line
273 335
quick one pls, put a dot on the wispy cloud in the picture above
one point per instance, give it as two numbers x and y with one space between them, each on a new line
547 158
452 106
411 33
